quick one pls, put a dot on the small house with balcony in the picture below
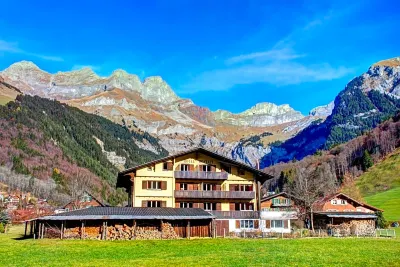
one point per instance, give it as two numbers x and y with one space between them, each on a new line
278 213
199 178
339 208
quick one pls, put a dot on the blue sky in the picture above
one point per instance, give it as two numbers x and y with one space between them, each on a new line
221 54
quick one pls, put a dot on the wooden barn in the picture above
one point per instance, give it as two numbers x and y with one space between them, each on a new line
125 223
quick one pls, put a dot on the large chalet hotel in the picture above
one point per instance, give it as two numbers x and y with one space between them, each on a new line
198 178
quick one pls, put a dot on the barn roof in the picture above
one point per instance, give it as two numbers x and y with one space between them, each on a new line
130 213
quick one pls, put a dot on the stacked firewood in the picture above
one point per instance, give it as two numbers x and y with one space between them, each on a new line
356 228
125 232
72 233
119 232
168 231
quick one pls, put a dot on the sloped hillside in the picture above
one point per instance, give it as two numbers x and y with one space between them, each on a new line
365 102
7 92
344 164
47 139
380 186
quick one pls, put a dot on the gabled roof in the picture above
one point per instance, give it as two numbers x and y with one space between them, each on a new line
130 213
77 200
277 195
262 175
320 203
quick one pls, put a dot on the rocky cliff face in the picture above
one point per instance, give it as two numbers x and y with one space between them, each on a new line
153 107
262 114
323 111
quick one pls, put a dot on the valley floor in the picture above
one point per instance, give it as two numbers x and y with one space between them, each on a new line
200 252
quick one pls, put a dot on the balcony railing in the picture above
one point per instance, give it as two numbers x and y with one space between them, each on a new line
215 194
201 175
235 214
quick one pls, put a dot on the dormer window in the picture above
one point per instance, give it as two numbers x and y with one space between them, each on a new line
334 202
343 202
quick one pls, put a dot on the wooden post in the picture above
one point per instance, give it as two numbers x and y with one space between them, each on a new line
134 229
83 230
62 230
188 229
43 230
40 231
224 232
31 226
26 228
105 233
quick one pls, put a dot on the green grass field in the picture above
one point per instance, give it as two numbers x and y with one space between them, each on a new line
380 186
200 252
389 201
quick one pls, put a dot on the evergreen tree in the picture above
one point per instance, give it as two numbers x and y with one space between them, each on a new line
367 161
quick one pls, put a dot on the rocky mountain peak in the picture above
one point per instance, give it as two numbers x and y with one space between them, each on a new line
23 65
322 111
156 89
266 108
392 62
119 73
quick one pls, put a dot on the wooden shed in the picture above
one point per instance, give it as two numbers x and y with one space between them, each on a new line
126 223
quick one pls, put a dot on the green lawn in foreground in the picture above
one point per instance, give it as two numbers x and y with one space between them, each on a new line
200 252
389 201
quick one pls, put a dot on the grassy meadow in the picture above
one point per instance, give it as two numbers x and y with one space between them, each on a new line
380 186
199 252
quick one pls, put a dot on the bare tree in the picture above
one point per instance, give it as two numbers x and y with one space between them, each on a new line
309 184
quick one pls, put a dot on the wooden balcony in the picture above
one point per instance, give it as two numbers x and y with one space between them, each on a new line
235 214
201 175
215 194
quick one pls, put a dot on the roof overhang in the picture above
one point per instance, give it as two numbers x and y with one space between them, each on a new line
348 215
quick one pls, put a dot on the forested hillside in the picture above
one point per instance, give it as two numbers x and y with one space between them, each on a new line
355 112
341 165
50 140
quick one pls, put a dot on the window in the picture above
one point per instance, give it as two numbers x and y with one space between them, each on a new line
244 206
155 185
331 210
225 168
343 202
210 206
276 224
185 167
183 186
167 166
334 202
186 205
207 187
205 168
359 209
241 171
245 187
246 224
281 201
153 204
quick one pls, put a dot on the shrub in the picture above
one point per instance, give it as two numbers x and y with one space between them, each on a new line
2 228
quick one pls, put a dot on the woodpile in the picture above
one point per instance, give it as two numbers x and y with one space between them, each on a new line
355 228
125 232
72 233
